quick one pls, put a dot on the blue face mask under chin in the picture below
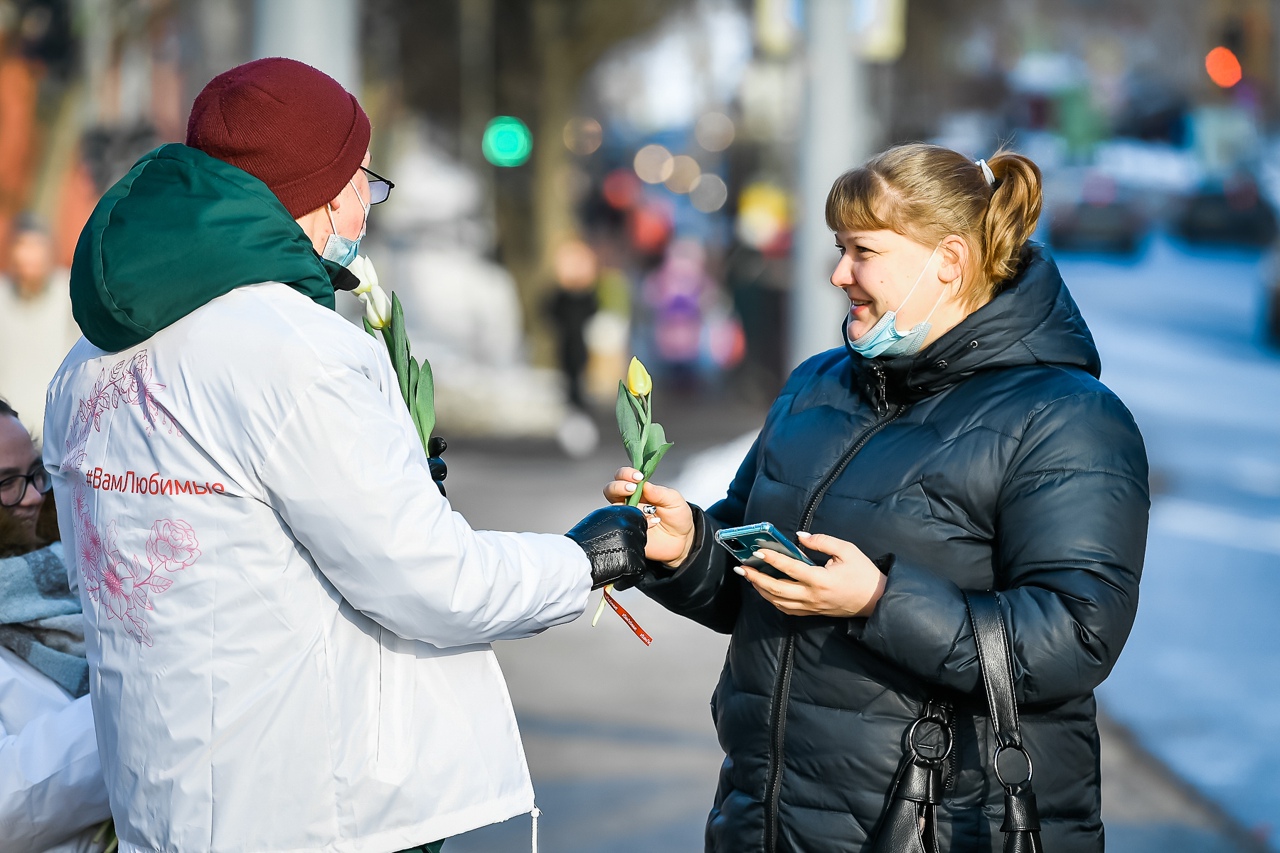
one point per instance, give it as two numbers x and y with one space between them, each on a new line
884 338
339 249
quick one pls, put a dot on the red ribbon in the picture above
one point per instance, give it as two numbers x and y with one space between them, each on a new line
626 617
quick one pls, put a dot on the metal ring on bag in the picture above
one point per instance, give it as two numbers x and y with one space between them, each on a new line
915 747
1025 755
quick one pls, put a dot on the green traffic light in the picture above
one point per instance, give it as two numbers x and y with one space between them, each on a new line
507 141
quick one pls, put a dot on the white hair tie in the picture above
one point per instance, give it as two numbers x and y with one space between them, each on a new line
987 173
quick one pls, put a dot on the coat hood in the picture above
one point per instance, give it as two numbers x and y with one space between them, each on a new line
1033 320
179 230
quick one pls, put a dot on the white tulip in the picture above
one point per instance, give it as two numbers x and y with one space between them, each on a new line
363 269
377 307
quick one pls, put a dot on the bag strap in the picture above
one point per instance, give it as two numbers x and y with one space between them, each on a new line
996 660
995 657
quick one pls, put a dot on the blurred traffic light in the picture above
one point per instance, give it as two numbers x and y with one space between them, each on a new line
1223 67
507 141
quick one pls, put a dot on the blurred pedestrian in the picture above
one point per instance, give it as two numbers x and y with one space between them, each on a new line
757 286
287 627
52 797
36 326
678 291
960 442
571 306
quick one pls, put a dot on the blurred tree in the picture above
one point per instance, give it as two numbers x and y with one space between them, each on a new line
540 52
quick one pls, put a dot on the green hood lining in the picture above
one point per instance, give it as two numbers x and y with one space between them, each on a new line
179 230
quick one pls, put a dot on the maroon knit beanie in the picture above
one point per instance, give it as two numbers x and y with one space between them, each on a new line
289 125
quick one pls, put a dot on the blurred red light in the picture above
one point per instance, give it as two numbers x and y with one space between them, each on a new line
1223 67
650 228
621 188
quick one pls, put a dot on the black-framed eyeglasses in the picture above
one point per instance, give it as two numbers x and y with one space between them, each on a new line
379 187
14 489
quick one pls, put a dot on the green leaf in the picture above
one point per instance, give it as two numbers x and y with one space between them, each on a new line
424 403
413 385
628 424
370 329
637 456
654 439
651 464
399 345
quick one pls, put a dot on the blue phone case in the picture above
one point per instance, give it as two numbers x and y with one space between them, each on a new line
744 541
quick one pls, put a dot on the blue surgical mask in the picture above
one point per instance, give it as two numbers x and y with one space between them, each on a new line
884 338
339 249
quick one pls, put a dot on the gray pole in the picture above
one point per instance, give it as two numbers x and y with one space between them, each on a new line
321 33
837 134
478 95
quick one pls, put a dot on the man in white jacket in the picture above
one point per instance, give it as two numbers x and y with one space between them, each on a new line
52 797
287 627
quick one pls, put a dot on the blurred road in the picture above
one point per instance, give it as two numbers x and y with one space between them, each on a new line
619 736
1179 329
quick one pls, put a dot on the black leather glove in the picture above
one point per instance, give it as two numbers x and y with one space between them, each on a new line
613 539
439 470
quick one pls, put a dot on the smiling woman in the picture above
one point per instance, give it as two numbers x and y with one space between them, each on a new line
959 443
23 480
873 267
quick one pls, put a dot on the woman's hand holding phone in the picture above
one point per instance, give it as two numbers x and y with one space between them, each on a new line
670 525
848 585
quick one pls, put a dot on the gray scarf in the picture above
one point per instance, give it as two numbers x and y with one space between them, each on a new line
40 619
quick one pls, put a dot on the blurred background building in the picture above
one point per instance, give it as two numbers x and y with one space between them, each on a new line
578 181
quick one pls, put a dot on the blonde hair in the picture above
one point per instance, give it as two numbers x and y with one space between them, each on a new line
927 192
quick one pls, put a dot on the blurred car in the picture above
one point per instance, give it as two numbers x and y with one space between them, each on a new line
1230 212
1103 217
1271 296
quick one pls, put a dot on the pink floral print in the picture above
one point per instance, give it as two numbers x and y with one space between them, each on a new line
116 580
172 545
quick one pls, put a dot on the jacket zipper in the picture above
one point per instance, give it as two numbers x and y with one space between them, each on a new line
782 686
777 727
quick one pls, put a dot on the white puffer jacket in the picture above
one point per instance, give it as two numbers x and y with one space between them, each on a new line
288 628
52 799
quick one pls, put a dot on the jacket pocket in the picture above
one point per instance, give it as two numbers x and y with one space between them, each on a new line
394 705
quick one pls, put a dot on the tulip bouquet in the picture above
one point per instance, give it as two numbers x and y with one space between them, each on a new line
417 385
646 443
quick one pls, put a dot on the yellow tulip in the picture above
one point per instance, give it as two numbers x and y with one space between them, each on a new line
639 383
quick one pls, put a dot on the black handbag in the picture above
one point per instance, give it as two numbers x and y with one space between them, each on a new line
909 823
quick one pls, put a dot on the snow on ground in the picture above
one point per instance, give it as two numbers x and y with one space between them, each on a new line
1199 681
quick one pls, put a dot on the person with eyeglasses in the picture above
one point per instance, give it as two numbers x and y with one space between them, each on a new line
23 479
52 797
288 629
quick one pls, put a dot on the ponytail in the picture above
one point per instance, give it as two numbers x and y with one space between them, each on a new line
1011 217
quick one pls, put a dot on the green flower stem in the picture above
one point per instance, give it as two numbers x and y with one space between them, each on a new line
646 410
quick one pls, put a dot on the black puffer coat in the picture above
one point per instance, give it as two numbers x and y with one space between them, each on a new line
993 459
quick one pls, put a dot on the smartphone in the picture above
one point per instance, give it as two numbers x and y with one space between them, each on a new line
744 541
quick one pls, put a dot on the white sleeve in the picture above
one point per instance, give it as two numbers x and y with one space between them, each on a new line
51 786
348 475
